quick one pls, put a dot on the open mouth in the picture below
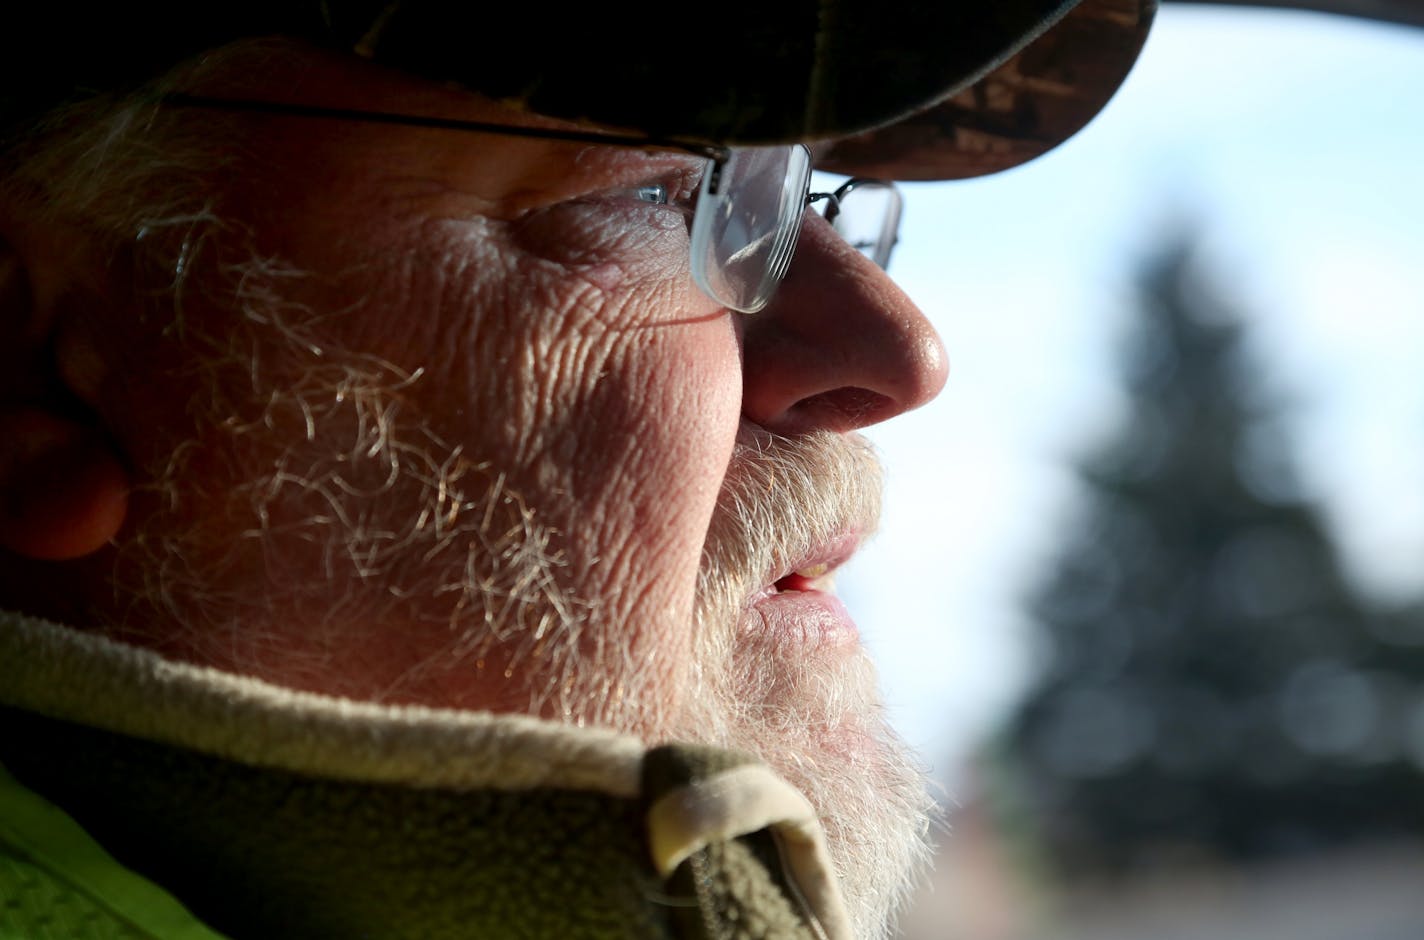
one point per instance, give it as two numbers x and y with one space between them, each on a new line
817 577
801 606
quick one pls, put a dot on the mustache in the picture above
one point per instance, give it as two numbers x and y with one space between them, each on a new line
783 501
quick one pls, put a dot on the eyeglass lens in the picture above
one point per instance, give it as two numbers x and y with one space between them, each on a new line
747 219
866 213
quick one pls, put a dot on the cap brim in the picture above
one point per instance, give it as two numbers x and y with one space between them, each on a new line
1027 106
1022 75
734 72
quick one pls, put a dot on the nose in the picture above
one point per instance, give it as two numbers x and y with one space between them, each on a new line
839 347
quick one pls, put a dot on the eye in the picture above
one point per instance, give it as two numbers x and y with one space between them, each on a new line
655 193
677 190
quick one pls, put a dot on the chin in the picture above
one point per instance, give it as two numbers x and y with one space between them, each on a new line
811 711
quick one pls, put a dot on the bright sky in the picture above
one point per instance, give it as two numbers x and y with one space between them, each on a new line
1298 140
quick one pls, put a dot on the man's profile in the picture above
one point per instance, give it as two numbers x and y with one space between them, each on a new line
430 442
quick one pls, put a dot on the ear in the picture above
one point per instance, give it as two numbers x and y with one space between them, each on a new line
63 485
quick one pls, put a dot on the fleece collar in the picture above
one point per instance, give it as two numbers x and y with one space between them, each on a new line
679 807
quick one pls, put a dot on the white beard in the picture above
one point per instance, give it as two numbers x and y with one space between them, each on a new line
444 536
814 715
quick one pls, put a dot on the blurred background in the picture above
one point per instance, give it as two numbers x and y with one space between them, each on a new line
1149 593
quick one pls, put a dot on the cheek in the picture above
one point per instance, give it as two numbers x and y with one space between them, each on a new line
673 404
637 372
585 363
648 449
578 359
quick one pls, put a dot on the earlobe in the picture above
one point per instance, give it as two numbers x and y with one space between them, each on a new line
63 490
63 486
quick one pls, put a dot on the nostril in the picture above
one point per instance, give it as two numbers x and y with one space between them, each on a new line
842 409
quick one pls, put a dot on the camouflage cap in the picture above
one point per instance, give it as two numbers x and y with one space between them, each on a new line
955 87
1038 98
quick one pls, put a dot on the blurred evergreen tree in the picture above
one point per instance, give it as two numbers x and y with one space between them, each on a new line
1210 683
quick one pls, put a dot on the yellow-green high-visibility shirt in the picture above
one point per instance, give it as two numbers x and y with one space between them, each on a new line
57 883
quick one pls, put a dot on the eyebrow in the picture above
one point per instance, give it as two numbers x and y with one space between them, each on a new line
178 99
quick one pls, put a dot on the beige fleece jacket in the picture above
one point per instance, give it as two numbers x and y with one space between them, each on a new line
267 812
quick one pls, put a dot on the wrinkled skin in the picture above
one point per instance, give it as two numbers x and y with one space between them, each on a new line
285 435
551 321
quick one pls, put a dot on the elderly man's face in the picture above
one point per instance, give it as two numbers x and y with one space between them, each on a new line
442 418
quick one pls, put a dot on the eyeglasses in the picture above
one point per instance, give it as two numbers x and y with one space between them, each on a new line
749 210
749 215
871 220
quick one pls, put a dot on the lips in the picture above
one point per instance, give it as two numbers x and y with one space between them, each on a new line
801 607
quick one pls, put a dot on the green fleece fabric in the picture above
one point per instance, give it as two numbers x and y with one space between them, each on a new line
262 853
376 838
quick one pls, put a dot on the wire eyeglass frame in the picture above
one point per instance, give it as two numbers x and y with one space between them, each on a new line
715 199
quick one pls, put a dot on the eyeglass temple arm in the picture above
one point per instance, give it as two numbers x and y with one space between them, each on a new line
178 99
833 204
833 200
